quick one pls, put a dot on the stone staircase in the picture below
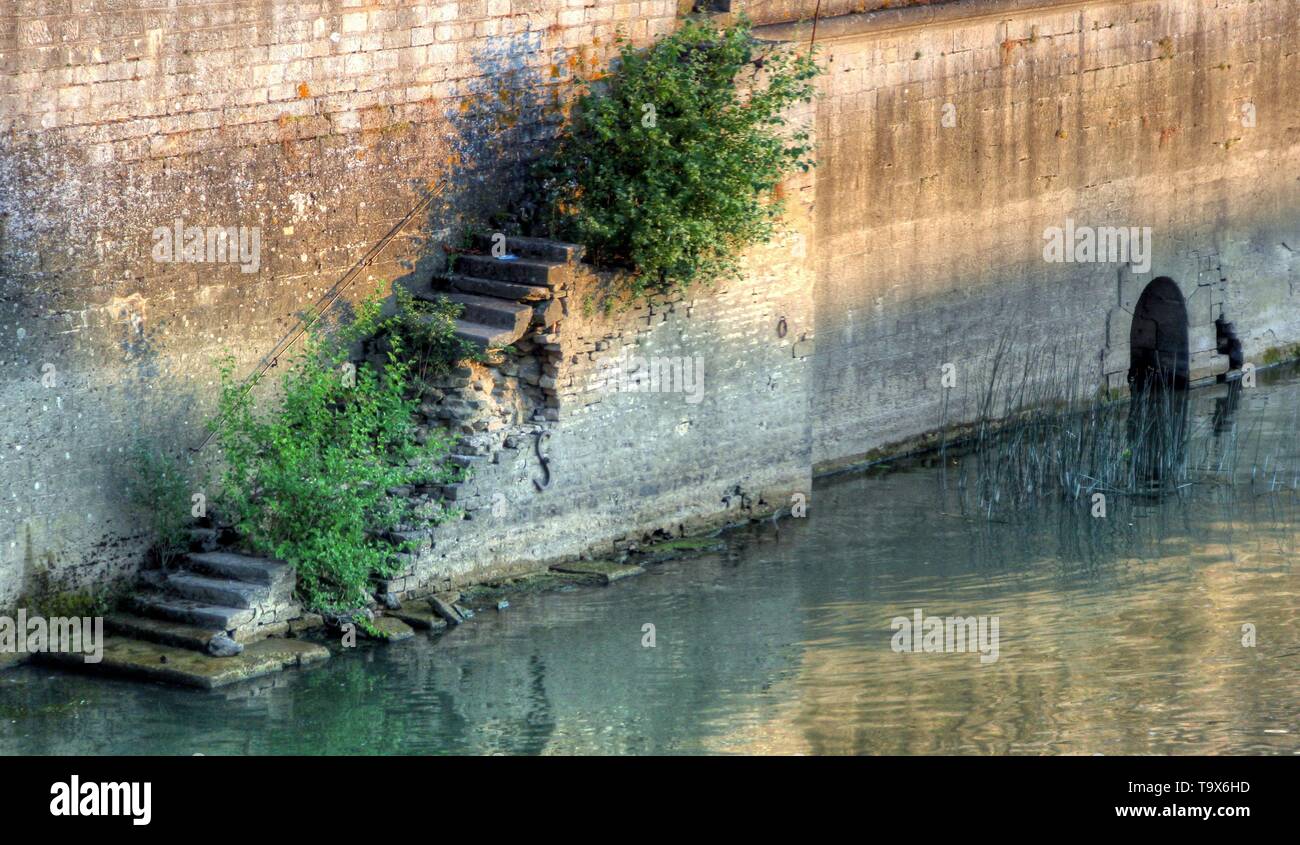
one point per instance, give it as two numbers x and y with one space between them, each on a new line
212 593
503 296
497 411
215 620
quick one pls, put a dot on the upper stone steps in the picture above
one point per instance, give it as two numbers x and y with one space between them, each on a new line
483 336
491 311
490 287
533 248
520 271
495 294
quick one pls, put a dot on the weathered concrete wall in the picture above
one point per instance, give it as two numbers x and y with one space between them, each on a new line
319 123
1178 115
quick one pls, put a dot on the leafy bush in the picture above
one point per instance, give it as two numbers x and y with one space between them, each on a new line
159 489
307 480
429 329
671 168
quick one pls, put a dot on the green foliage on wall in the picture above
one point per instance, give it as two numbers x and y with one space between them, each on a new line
428 330
160 488
671 165
307 478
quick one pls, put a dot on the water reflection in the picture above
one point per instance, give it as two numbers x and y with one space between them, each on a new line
1118 635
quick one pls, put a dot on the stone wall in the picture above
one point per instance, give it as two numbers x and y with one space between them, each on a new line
786 11
952 136
317 123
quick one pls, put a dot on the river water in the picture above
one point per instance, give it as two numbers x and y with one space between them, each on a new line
1126 634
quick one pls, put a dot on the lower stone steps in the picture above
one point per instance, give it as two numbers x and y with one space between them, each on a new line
190 612
244 597
179 625
161 631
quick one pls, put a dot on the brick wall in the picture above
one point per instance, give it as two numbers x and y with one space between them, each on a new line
784 11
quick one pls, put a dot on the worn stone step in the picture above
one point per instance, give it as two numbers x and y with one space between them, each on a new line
533 247
158 662
599 571
489 287
190 612
520 271
162 631
390 629
491 311
485 336
218 591
254 570
420 615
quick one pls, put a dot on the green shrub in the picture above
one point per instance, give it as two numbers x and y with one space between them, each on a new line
159 489
306 480
429 331
671 167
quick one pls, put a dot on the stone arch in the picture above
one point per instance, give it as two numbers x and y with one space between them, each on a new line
1158 350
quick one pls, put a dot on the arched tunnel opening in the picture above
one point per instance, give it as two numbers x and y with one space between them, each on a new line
1158 350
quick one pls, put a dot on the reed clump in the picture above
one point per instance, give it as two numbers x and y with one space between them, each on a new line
1043 424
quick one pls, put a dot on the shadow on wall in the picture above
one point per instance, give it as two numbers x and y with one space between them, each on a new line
87 369
507 113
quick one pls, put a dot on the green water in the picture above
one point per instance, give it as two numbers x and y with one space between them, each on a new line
1116 636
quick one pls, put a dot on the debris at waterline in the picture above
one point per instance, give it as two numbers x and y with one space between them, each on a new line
159 650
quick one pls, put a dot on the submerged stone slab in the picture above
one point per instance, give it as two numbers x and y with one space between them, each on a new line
446 609
168 664
392 629
599 571
681 547
420 615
